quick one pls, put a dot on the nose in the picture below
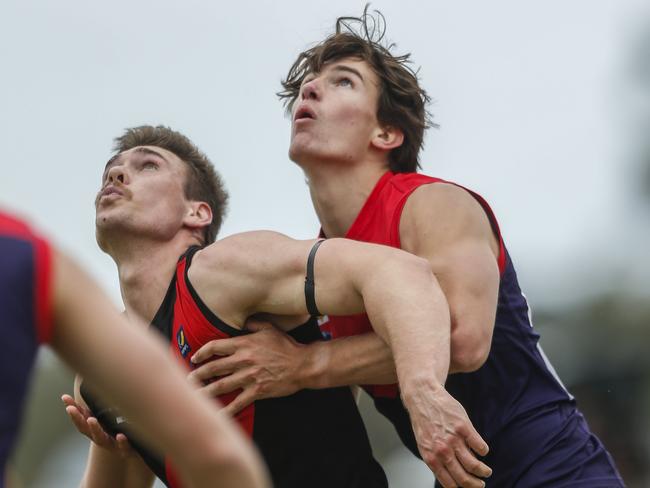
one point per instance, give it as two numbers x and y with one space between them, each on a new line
311 90
116 173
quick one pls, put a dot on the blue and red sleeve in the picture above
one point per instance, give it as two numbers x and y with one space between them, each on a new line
42 279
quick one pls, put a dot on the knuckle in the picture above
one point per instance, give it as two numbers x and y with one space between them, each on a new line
433 461
441 450
212 369
197 373
466 480
214 389
450 484
245 358
458 427
224 384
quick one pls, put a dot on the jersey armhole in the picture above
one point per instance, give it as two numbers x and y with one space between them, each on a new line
212 318
501 260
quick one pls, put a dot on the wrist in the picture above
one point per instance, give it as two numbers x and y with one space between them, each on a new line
417 386
424 373
313 373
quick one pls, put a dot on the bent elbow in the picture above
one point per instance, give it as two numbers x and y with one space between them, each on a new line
471 363
469 357
419 270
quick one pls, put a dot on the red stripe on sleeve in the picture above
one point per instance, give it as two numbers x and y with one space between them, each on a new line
12 226
43 290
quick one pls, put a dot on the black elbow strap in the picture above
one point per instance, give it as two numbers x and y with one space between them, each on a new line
310 296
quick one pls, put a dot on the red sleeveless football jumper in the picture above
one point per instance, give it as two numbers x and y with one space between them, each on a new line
378 222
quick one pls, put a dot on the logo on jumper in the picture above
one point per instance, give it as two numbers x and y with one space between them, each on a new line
325 327
183 346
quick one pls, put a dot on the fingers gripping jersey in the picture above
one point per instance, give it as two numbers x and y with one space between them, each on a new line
515 394
25 319
313 438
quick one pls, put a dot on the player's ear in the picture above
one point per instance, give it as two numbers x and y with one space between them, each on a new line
199 214
387 137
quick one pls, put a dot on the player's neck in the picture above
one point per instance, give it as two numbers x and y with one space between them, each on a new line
145 270
339 192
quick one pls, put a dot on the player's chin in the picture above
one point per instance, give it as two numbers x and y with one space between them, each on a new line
301 150
105 225
103 218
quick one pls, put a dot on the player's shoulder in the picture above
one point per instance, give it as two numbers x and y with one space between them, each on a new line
243 242
428 189
25 245
243 247
444 196
446 206
13 226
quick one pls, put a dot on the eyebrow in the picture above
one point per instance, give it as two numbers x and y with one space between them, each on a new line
336 67
342 67
143 150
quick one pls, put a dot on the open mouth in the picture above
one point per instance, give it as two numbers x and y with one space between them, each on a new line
110 193
304 113
111 190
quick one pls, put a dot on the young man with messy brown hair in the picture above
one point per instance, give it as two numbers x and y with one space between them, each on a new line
358 117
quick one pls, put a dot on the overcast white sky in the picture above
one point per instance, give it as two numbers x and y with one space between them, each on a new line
530 97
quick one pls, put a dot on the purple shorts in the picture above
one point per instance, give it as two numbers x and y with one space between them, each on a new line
551 447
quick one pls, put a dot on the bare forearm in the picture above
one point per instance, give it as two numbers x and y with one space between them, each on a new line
358 360
107 470
220 451
109 362
415 323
